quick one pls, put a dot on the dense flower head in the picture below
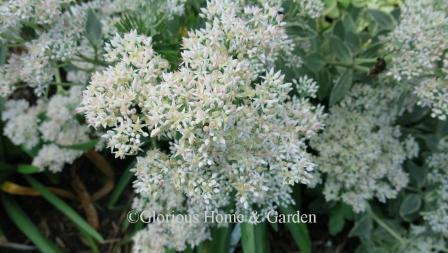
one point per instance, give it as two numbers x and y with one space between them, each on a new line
48 127
235 134
361 152
157 8
60 40
15 12
117 96
311 8
433 93
173 234
418 46
437 215
420 39
421 240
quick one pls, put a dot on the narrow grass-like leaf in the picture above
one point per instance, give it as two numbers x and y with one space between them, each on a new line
261 238
26 226
92 244
299 231
65 209
122 183
248 238
28 169
220 242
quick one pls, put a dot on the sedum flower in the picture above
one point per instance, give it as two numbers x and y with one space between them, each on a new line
311 8
60 40
418 47
433 93
235 134
419 40
361 153
48 127
165 8
420 240
437 215
118 94
43 12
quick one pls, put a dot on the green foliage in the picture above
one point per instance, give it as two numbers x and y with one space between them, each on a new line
338 217
254 238
26 226
93 29
410 205
65 209
28 169
299 232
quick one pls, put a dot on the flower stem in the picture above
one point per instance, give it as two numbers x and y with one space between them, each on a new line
388 229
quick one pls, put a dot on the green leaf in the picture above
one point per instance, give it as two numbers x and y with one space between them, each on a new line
349 24
338 215
248 238
93 28
372 51
325 84
65 209
92 244
336 223
353 40
261 238
417 175
330 6
339 30
363 227
314 62
26 226
340 50
220 242
342 86
85 146
121 185
344 3
28 169
384 20
299 231
254 238
3 53
411 204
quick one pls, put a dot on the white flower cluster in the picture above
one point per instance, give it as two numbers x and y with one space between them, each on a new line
15 12
360 152
433 93
419 240
231 123
157 8
60 40
418 46
437 214
177 232
420 39
311 8
48 127
118 96
173 234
